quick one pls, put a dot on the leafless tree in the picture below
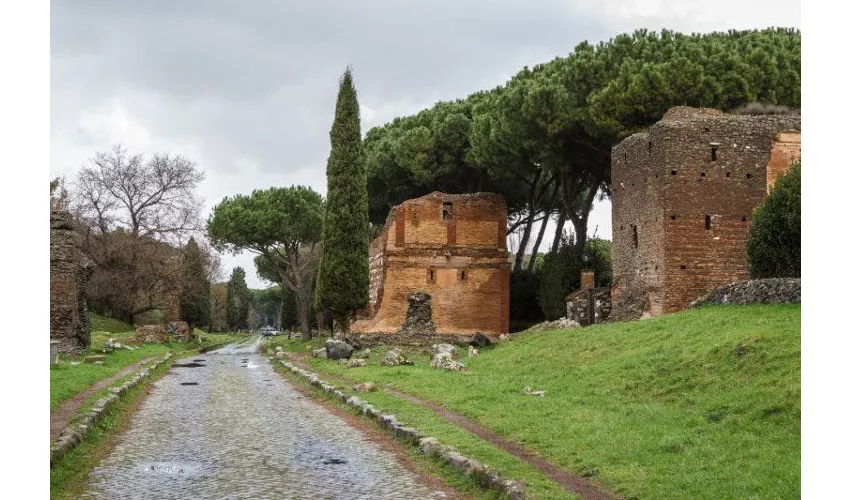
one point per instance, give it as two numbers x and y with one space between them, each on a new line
134 214
153 197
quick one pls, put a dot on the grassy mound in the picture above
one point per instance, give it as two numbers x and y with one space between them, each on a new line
700 404
98 323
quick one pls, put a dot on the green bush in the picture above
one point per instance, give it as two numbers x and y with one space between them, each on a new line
525 308
561 273
773 245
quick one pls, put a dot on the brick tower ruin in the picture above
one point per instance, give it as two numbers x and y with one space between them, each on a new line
451 246
682 196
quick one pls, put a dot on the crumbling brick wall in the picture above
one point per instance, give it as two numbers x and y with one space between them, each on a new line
682 195
452 247
70 271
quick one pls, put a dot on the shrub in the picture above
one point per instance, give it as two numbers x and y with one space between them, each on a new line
773 245
525 308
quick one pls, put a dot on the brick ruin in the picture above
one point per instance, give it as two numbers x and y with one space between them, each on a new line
70 271
451 246
682 196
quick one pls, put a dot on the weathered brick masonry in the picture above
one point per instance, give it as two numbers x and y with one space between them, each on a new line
682 196
450 246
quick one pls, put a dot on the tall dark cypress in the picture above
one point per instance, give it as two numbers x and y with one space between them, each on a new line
343 281
237 300
195 289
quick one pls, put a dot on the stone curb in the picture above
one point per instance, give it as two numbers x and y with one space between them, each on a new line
483 474
73 434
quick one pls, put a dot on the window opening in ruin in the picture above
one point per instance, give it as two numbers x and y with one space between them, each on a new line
672 217
743 219
683 267
432 275
702 174
650 145
672 172
728 174
447 210
708 222
714 152
749 176
463 275
634 236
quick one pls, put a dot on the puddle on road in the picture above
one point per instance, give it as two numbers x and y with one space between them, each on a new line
334 461
198 360
168 468
188 383
187 365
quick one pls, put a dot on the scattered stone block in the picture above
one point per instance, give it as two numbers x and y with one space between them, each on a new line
356 362
94 359
337 349
481 340
365 387
394 357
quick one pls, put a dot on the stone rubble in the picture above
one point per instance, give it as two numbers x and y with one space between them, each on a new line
558 324
356 362
394 357
762 291
443 356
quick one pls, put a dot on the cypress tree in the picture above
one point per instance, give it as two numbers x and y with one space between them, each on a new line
237 300
195 289
342 284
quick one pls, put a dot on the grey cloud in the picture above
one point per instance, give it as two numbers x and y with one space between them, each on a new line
257 79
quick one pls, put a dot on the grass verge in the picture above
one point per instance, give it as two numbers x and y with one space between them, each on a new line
699 404
68 475
468 444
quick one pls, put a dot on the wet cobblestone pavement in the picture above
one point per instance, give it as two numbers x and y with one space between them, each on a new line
233 428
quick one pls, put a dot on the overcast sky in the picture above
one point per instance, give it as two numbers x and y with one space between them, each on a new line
247 88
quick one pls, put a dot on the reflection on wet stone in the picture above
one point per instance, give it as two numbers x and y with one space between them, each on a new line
244 434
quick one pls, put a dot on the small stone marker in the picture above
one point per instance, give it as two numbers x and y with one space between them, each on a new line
93 359
54 352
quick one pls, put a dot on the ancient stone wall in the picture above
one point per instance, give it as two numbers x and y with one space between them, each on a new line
682 196
454 248
578 306
70 271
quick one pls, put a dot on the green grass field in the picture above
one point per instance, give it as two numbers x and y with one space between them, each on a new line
700 404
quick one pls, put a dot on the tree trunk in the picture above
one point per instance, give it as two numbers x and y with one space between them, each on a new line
304 312
579 217
526 235
559 229
532 211
539 239
320 322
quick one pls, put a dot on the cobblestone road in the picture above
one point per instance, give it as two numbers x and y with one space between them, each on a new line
232 428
